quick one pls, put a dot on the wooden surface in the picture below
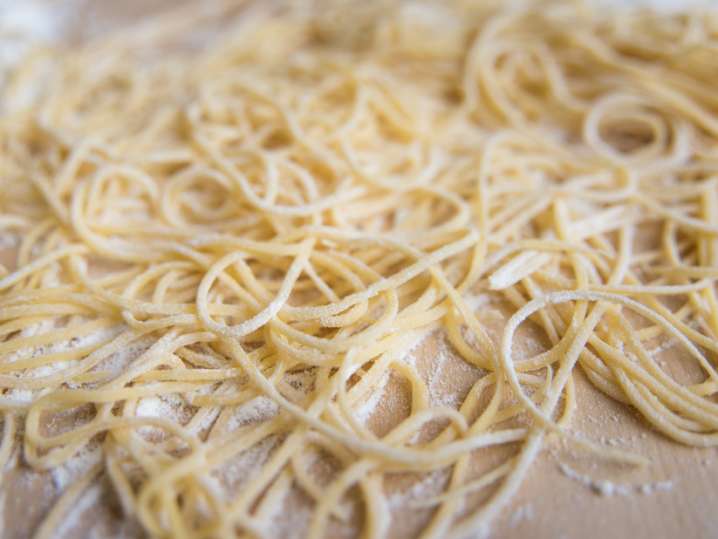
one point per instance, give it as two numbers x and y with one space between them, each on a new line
550 504
565 508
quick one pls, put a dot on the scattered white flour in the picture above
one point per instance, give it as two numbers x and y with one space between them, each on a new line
444 380
30 331
243 467
73 518
205 421
170 407
439 395
520 514
91 339
28 395
72 469
367 407
61 346
607 488
120 360
599 486
413 340
257 410
666 345
288 519
165 406
660 486
431 484
21 396
614 442
8 240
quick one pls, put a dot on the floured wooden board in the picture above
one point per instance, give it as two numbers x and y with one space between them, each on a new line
567 494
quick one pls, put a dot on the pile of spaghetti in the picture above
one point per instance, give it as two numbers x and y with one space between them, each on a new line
277 212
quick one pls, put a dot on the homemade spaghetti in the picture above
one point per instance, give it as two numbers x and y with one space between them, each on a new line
281 212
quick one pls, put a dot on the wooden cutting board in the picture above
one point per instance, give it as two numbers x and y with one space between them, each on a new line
676 497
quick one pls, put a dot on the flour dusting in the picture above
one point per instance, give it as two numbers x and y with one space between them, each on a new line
74 468
521 513
256 410
74 518
369 405
430 484
607 488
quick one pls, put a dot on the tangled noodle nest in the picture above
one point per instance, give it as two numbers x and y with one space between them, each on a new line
281 213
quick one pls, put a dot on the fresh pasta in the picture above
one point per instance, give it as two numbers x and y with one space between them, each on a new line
277 216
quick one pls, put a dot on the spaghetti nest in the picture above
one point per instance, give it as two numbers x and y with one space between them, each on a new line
280 213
